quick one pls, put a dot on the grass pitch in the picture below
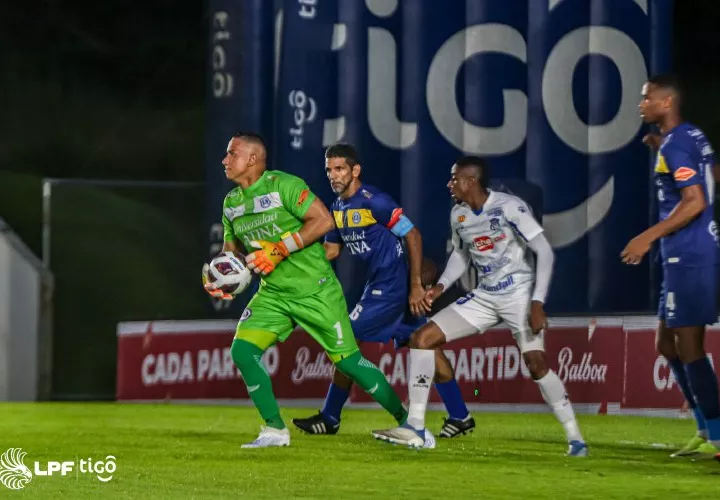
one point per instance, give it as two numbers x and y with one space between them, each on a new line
176 451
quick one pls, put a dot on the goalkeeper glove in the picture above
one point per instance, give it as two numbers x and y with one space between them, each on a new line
266 259
210 288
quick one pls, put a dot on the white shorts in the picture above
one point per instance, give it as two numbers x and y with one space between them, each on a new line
479 311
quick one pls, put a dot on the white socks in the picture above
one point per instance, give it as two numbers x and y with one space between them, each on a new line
553 391
422 371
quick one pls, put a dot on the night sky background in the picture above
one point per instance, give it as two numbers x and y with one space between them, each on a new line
110 89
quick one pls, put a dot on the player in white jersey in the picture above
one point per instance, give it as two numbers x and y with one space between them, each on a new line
492 231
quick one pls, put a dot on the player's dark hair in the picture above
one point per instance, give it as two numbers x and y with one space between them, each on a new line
251 137
667 81
482 171
343 150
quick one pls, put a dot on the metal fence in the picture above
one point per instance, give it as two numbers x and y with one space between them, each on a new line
119 250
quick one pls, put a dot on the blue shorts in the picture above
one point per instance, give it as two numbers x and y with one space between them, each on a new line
688 296
381 321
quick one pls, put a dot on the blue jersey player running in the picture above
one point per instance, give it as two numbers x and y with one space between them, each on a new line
372 227
689 252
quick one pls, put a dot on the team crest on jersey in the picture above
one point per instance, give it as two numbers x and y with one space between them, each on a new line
266 202
356 217
683 174
494 224
484 243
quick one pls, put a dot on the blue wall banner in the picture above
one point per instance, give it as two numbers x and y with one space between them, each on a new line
546 90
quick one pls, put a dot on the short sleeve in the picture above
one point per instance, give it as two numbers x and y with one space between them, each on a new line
388 213
680 164
295 195
519 216
384 209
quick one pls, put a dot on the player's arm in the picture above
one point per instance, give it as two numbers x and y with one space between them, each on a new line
457 265
520 218
544 261
692 203
234 246
332 250
304 205
401 226
387 212
230 244
317 221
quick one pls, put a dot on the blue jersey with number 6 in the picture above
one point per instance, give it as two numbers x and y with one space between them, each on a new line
370 225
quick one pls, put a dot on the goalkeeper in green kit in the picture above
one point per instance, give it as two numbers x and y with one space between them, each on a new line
275 216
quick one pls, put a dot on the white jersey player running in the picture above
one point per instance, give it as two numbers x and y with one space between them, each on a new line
492 231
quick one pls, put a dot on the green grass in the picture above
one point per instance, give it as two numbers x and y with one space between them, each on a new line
174 451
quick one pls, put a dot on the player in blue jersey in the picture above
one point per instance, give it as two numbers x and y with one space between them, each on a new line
688 237
373 227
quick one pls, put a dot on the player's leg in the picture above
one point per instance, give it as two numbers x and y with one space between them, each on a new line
689 306
324 316
327 420
701 378
459 420
514 309
665 345
337 395
469 315
371 320
703 384
263 323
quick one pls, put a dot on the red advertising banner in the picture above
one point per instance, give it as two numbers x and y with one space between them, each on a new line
607 364
649 382
191 360
489 367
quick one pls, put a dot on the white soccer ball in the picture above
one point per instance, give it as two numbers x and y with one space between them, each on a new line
229 273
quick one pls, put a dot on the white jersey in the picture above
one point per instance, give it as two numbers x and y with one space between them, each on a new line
495 237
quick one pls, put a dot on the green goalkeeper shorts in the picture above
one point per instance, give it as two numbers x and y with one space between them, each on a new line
269 318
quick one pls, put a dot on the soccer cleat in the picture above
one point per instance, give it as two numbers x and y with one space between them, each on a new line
269 437
707 450
691 448
317 424
453 427
429 441
404 435
577 449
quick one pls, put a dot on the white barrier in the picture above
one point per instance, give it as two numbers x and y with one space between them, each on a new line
25 341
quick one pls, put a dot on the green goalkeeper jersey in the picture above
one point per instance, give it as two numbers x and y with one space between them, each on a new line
271 209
